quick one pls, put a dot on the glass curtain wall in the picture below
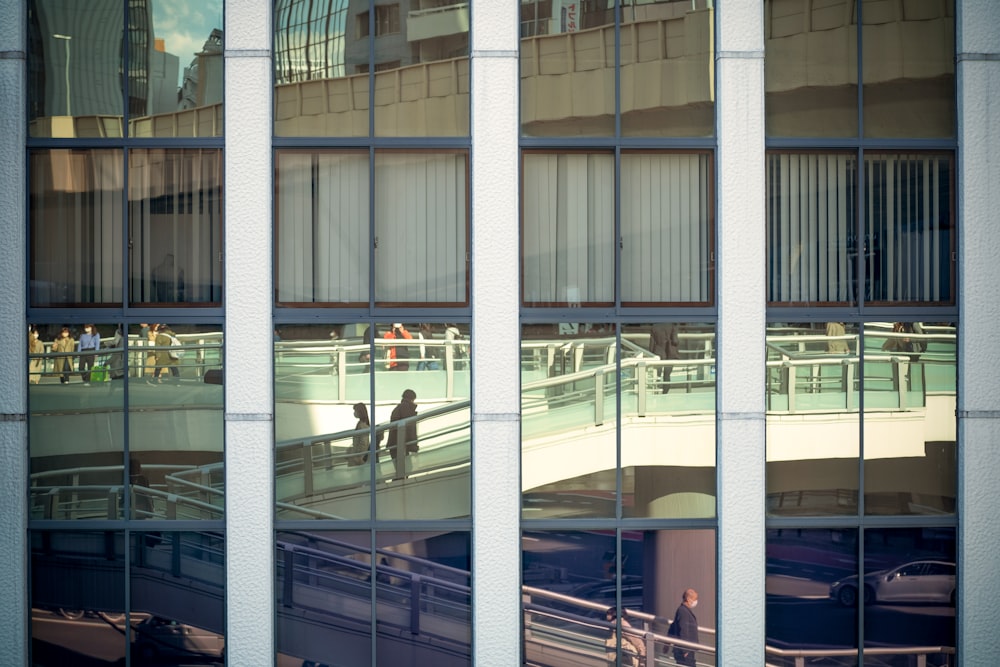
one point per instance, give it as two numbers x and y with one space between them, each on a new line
618 333
862 334
372 340
125 342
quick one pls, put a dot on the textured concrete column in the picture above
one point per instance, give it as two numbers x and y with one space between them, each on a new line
978 70
13 357
741 295
496 365
248 367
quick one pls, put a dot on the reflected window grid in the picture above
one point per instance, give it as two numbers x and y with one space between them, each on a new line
125 422
337 440
628 415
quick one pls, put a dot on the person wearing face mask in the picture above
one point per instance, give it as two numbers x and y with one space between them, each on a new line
685 626
90 342
35 347
64 364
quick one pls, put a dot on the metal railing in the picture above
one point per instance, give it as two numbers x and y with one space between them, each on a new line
201 352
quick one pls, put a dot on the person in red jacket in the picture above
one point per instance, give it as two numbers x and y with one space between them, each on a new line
399 355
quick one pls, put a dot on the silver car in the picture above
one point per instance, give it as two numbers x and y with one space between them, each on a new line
917 581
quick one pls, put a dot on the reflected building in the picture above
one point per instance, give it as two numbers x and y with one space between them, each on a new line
85 45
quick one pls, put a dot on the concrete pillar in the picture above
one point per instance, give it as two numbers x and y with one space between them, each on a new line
741 300
978 85
13 357
496 398
248 367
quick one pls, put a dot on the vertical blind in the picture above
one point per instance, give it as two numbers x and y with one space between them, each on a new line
568 228
175 225
908 227
666 236
811 223
813 237
420 226
323 222
76 223
568 231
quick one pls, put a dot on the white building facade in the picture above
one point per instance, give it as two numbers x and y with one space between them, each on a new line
241 277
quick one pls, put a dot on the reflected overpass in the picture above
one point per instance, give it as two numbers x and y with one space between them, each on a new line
569 421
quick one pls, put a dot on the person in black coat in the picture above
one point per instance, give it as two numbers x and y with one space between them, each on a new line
403 437
663 343
685 626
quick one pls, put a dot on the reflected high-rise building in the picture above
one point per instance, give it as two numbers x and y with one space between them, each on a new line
83 41
308 40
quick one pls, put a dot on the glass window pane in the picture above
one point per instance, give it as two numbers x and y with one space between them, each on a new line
322 429
569 420
76 399
812 228
324 598
812 595
572 580
423 595
423 420
668 420
175 68
567 68
421 228
910 429
667 68
421 69
910 582
322 227
175 402
909 228
173 76
77 598
75 69
75 225
320 70
909 68
812 426
811 68
667 236
177 591
175 226
569 580
568 252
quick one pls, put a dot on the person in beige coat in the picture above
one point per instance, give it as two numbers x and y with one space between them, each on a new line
164 358
35 364
64 365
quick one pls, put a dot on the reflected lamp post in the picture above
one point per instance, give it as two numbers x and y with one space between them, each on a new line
66 39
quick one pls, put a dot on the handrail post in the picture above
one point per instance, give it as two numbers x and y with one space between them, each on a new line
640 388
903 370
449 370
113 502
848 385
52 503
288 585
341 372
598 397
788 379
175 554
307 468
415 604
